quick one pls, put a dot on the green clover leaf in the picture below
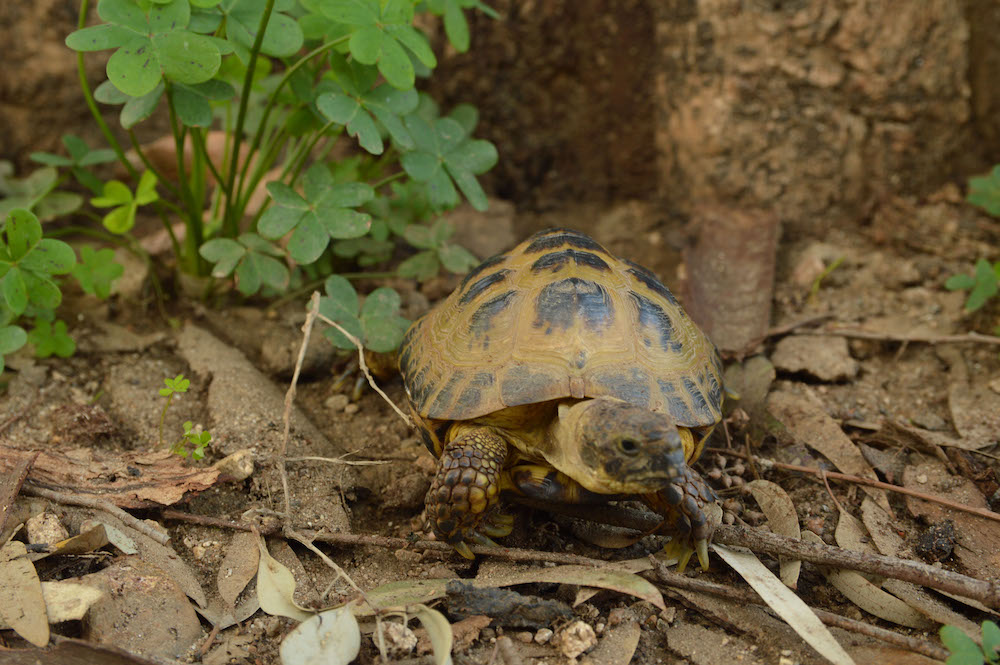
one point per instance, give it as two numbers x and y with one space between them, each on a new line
377 323
151 43
455 25
36 192
325 212
124 204
445 154
253 260
982 285
27 263
282 38
984 191
379 33
12 338
358 106
97 270
437 252
80 156
51 339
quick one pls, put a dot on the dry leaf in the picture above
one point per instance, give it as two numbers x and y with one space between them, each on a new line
116 536
617 646
604 578
809 423
238 567
66 601
776 505
784 602
22 606
438 630
976 538
399 595
128 480
90 540
276 587
328 638
869 597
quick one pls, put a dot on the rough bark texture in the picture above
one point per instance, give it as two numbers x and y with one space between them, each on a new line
811 108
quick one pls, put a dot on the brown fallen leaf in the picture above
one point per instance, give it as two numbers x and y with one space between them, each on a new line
22 605
616 647
127 480
68 651
809 423
239 566
780 512
977 538
11 479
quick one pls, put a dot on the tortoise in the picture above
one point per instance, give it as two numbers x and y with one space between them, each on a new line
561 372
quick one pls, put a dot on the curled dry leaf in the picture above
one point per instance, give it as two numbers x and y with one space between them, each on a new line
784 602
276 587
777 506
22 605
92 539
869 597
438 630
116 536
809 423
328 638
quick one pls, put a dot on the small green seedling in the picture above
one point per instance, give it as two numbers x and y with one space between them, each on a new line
982 284
964 650
174 386
196 440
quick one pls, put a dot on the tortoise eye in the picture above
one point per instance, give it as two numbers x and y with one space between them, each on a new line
629 446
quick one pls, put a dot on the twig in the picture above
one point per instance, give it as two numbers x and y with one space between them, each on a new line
361 361
759 540
967 338
290 400
981 512
338 460
98 504
678 581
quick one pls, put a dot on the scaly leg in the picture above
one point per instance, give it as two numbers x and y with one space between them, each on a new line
466 489
682 506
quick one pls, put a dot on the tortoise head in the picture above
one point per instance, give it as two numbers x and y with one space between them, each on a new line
613 447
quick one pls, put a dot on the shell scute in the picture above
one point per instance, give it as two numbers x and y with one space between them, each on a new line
559 316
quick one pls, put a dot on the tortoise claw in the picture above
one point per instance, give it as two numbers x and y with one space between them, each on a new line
481 539
463 548
701 547
498 525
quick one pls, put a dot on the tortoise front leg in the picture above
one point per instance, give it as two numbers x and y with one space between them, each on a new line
682 506
466 488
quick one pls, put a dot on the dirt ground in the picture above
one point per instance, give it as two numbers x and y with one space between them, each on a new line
854 357
893 399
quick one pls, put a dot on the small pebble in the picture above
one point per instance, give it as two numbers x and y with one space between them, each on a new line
619 615
576 638
399 639
337 402
524 636
543 636
351 409
599 628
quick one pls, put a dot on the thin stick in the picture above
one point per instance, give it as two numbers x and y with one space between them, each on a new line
361 360
678 581
337 460
967 338
770 543
98 504
907 570
981 512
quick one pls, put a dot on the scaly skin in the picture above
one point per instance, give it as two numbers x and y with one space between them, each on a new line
682 506
466 489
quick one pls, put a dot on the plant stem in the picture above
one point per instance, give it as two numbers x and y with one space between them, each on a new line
189 259
389 178
163 416
230 225
92 105
319 50
161 179
199 138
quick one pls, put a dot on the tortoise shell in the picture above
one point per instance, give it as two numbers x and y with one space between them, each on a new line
560 317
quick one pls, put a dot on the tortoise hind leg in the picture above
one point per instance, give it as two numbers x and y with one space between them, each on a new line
682 506
465 490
